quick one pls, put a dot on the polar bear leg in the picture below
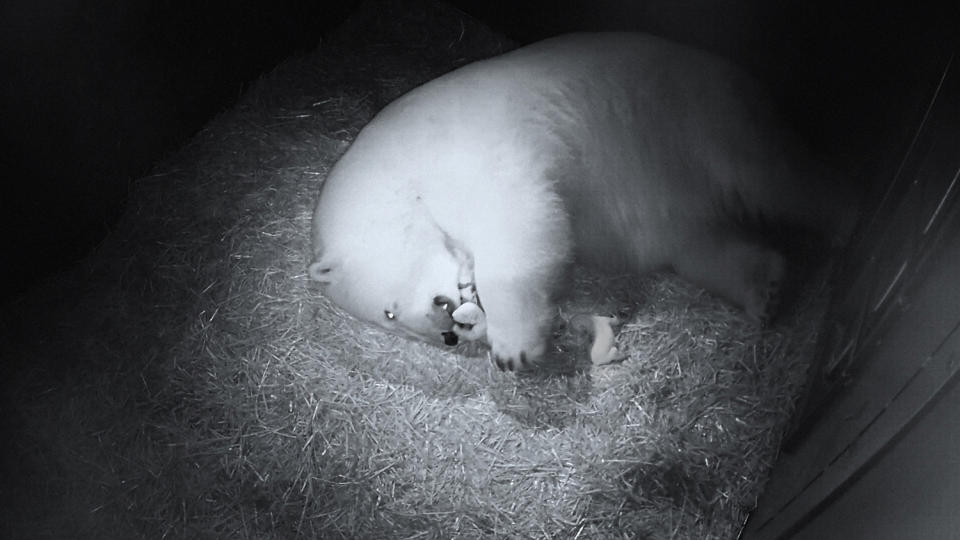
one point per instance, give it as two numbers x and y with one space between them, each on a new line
735 268
516 282
519 253
518 314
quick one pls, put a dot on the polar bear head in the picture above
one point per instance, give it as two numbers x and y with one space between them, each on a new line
407 286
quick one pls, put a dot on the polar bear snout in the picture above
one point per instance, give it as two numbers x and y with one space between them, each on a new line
445 304
440 318
448 307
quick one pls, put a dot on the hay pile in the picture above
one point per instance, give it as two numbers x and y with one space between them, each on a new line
187 380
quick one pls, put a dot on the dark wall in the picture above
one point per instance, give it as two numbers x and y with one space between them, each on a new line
851 75
94 92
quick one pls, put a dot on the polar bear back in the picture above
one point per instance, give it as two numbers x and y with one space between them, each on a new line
653 132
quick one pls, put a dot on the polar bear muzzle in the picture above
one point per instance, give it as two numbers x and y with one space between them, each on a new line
444 303
442 317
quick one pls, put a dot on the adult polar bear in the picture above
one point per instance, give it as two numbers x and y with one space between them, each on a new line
625 150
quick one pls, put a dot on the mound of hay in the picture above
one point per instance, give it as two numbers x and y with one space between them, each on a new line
188 380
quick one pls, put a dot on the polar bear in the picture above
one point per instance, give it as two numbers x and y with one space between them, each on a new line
621 150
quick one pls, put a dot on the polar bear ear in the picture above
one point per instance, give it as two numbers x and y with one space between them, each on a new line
325 271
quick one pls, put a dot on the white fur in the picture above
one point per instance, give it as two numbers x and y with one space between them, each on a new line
628 147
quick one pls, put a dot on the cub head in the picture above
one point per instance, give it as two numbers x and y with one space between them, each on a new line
411 292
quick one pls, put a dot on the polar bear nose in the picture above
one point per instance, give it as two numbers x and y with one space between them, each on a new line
450 338
445 303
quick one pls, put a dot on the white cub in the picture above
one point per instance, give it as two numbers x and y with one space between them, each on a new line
623 150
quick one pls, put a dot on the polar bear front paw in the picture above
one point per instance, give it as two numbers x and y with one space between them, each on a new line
515 360
518 314
517 341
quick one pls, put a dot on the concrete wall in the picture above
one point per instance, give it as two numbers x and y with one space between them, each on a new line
875 453
912 491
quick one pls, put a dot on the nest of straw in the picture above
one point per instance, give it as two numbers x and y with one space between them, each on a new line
188 380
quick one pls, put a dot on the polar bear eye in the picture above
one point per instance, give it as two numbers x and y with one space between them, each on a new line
389 315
